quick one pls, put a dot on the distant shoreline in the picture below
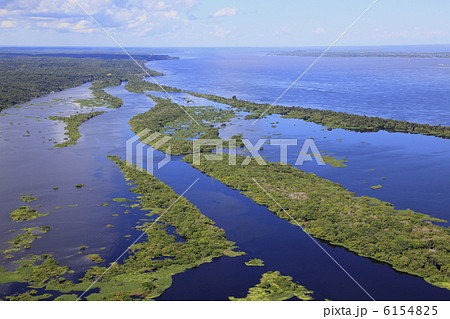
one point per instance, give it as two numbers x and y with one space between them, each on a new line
363 54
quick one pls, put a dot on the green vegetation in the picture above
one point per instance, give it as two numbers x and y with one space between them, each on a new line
23 241
170 120
112 102
137 85
80 185
407 240
332 119
25 213
148 270
25 76
376 187
334 162
255 262
27 197
275 287
37 271
30 295
100 99
119 200
73 122
95 258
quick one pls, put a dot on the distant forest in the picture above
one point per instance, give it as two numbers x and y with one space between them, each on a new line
25 76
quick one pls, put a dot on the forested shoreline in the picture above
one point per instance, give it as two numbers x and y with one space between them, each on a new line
331 119
25 77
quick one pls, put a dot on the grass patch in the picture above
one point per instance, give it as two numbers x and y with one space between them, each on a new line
275 287
24 240
334 162
25 213
95 258
119 200
255 262
27 197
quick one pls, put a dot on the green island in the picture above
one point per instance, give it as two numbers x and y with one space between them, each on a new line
95 258
275 287
25 213
171 121
28 76
148 270
255 262
406 240
101 98
119 200
23 241
137 85
73 122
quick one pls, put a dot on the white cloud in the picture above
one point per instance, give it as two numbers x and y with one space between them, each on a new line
82 26
226 12
8 24
319 30
172 14
135 16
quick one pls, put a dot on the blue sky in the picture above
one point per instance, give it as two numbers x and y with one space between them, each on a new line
148 23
